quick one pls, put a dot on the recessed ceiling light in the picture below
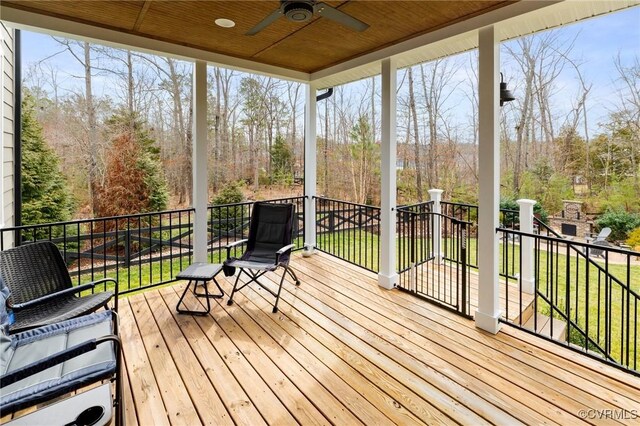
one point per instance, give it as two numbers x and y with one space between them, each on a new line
225 23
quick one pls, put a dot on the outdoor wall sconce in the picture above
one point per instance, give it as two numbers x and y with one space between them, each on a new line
505 94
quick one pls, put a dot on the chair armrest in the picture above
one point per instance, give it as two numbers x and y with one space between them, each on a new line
52 296
57 358
116 289
233 245
283 250
72 290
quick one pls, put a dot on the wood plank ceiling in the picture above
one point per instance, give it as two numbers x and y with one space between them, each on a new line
307 47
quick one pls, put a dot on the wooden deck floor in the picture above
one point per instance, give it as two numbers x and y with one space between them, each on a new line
344 351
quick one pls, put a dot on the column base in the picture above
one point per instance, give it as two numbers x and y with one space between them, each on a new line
308 251
487 322
387 281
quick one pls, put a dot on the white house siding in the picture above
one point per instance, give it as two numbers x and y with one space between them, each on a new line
7 127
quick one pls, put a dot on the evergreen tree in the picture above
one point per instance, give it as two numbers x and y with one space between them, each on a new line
45 198
282 161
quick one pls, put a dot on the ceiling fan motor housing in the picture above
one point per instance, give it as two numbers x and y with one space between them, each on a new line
297 11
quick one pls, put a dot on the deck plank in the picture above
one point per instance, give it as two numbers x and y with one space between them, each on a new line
299 340
205 399
239 404
144 389
401 396
452 353
177 402
442 352
302 369
553 355
265 383
298 404
342 350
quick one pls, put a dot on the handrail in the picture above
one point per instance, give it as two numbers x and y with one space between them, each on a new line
98 219
455 220
585 245
346 202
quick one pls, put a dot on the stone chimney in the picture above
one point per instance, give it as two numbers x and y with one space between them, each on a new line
572 210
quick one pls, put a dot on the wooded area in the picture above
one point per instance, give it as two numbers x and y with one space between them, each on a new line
550 150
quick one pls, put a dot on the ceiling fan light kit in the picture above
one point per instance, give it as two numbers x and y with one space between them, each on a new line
303 11
298 11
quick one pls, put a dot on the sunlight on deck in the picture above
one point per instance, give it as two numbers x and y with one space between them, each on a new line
344 351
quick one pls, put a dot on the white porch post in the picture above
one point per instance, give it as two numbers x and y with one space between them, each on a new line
387 276
488 311
310 166
199 153
436 197
527 276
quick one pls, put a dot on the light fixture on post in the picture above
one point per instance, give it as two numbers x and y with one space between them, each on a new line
505 94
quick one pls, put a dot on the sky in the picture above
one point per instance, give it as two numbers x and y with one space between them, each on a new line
598 41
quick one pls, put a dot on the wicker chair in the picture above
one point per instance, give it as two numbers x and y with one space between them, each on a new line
41 288
48 362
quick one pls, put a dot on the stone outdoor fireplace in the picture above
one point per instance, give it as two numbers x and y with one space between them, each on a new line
572 222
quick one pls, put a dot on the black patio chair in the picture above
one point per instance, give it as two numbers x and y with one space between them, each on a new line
41 288
268 248
48 362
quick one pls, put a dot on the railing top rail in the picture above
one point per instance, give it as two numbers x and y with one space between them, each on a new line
573 243
347 202
408 206
453 203
97 219
249 202
546 227
453 219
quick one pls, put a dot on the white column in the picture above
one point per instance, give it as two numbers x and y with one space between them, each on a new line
488 311
199 163
527 276
436 197
310 165
387 276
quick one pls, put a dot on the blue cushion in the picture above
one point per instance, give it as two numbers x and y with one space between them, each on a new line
4 316
39 344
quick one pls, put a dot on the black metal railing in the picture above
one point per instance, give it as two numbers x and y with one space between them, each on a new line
432 258
230 222
142 250
349 231
583 295
139 251
467 213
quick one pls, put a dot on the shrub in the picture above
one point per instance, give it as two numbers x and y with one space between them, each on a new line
620 222
227 218
634 239
511 219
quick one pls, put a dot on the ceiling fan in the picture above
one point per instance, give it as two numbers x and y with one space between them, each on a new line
303 10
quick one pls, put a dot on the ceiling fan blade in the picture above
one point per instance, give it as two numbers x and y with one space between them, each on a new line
342 18
265 22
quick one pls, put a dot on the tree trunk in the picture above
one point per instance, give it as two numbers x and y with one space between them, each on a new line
416 137
91 129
